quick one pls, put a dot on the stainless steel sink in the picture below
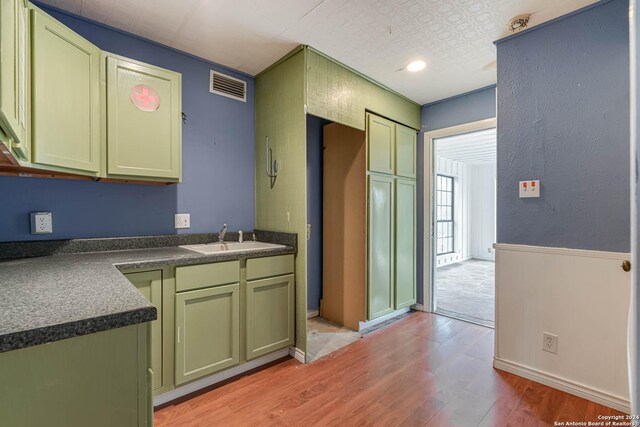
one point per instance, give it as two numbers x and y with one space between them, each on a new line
212 248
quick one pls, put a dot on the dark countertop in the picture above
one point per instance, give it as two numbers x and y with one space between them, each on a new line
50 298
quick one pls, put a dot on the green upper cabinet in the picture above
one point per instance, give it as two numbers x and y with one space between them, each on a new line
405 255
14 76
144 120
270 307
381 144
380 246
149 283
207 331
405 151
66 97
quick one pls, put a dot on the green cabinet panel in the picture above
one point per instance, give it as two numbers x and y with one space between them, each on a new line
97 380
405 151
381 144
257 268
380 256
405 255
144 120
207 331
149 283
14 76
207 275
66 129
270 305
342 95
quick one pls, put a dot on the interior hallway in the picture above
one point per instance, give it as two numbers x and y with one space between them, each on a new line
424 370
466 290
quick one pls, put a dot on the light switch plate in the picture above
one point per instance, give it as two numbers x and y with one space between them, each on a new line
530 188
183 220
41 223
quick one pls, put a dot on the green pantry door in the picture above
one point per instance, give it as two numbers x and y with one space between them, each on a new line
380 251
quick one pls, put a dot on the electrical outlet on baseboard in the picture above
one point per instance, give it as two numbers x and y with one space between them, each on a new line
183 220
550 343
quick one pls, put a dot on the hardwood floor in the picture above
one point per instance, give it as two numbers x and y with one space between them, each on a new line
424 370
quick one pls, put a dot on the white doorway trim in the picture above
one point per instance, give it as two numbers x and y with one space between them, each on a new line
429 179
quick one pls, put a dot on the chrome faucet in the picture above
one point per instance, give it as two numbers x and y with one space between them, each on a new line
223 233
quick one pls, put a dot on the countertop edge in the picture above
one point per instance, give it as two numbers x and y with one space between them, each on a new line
41 335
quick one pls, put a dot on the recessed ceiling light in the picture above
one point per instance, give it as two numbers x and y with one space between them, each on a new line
416 66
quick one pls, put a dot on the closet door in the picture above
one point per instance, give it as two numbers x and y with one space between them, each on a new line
380 257
405 247
405 151
380 144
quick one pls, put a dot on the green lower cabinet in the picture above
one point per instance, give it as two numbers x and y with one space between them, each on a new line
97 380
380 256
270 306
149 283
207 331
405 255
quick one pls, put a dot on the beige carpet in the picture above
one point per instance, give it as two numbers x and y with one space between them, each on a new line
466 290
325 337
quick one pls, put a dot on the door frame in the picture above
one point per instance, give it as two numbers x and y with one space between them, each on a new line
428 196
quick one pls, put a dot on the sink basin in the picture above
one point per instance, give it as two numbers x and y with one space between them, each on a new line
213 248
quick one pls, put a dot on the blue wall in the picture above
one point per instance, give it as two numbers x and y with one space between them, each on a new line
472 106
314 210
563 114
468 107
218 163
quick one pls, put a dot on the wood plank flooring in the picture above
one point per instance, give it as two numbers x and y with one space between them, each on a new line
424 370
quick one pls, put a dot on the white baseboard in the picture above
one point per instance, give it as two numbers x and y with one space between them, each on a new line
418 307
580 390
216 378
297 354
312 313
382 319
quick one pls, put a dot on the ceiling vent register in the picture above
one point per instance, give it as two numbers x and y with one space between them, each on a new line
222 84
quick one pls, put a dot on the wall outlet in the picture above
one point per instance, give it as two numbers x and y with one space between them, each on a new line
183 220
550 343
41 223
529 188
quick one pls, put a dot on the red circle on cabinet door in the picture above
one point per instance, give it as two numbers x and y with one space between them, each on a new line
145 98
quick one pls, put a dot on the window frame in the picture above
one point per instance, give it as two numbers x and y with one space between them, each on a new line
452 236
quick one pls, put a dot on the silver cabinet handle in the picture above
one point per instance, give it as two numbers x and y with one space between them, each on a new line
268 158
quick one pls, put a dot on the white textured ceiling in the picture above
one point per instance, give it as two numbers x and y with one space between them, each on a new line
475 148
376 37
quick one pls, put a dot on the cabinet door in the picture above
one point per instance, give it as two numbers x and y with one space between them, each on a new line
405 257
380 247
149 283
405 151
14 61
207 331
66 97
380 144
144 122
270 306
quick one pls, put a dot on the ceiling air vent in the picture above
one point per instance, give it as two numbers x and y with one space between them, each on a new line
228 86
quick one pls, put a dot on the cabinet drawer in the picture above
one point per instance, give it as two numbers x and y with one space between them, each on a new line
206 275
258 268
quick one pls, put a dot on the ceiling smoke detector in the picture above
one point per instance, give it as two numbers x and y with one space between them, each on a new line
519 23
